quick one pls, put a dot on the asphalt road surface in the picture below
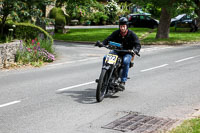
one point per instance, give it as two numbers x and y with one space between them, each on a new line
60 97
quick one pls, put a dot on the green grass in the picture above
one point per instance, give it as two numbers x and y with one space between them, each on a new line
175 37
92 35
188 126
181 35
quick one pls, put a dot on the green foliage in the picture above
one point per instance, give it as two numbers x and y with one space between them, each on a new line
59 16
35 52
21 11
53 12
169 9
180 36
185 7
98 6
82 10
60 3
92 35
29 31
111 10
188 126
124 6
99 18
153 10
56 11
175 7
60 20
46 44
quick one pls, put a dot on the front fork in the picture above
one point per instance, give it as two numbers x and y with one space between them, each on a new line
110 69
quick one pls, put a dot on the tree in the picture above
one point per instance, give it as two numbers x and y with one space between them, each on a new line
168 8
21 10
197 9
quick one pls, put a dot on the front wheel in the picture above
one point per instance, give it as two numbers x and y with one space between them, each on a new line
102 85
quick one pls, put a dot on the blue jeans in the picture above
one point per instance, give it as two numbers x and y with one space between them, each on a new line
126 64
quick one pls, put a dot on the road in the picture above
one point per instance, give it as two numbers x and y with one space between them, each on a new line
60 97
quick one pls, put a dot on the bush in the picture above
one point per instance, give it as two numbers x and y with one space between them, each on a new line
60 20
35 52
53 12
29 31
99 18
59 16
111 10
56 11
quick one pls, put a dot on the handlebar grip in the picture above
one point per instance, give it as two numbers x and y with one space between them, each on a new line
138 54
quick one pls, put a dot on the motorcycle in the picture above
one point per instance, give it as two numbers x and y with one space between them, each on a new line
110 77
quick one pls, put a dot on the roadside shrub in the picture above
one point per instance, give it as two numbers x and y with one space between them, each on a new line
7 30
56 11
35 52
111 10
60 20
29 31
99 18
53 12
59 16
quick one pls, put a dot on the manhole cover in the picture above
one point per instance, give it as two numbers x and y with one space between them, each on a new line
139 123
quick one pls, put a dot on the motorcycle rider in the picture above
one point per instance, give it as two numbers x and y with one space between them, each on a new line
129 41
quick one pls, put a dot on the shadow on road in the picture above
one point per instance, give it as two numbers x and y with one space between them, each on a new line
87 96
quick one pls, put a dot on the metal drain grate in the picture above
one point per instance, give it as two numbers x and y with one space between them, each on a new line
139 123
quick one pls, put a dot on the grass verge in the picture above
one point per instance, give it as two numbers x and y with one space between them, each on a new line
180 36
92 35
188 126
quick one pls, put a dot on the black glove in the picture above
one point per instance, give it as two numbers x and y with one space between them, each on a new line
99 44
136 51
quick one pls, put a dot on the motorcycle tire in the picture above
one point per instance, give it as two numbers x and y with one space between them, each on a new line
101 86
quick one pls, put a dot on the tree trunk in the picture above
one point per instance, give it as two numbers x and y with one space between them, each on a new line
197 10
3 25
164 25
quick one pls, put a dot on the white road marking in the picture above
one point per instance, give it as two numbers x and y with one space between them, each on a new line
10 103
186 58
153 68
75 86
75 61
69 62
153 49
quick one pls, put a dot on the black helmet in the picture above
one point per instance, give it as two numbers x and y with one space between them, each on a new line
123 21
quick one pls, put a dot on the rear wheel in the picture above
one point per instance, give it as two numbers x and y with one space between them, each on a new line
102 85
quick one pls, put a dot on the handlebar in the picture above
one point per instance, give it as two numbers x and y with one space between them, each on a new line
127 51
117 47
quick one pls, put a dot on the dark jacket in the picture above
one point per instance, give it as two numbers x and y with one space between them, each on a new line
130 41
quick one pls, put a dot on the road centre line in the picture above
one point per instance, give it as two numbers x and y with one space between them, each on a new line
186 58
75 86
154 68
92 82
10 103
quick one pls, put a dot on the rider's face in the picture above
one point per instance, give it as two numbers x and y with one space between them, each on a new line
123 28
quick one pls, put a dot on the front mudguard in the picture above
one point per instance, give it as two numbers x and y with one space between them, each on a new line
107 67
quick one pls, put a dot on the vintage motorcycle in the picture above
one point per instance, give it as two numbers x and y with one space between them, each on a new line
111 72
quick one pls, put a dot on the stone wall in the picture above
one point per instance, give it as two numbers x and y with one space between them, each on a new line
7 53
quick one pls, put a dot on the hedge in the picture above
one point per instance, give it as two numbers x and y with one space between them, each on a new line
29 31
59 16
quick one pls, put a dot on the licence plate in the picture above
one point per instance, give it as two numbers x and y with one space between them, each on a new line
111 59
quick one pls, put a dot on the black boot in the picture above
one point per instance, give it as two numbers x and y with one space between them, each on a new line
121 86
